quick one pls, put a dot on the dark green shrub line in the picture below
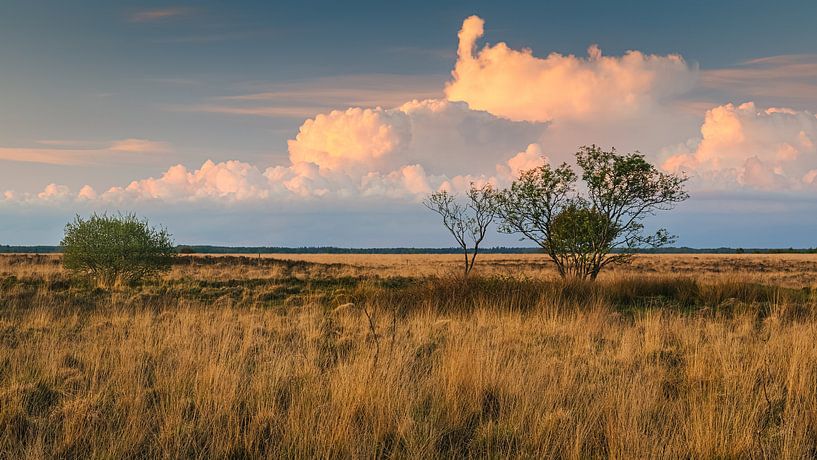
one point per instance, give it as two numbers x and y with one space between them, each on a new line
404 295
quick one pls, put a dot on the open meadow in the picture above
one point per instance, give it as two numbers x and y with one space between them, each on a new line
392 356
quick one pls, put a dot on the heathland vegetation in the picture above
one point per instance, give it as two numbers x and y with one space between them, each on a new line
388 356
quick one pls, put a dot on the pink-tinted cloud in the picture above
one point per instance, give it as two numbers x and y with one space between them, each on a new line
159 14
133 145
772 148
531 157
82 152
55 193
789 79
229 181
285 111
235 181
47 156
504 109
306 99
445 137
520 86
344 139
87 193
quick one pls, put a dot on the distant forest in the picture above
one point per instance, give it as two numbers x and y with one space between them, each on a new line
204 249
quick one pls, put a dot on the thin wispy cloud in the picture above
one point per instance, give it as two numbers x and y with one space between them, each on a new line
133 145
288 111
442 54
174 81
74 152
308 98
791 79
159 14
46 156
70 143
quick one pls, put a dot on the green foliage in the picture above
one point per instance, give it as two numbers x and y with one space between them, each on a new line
584 232
110 249
575 234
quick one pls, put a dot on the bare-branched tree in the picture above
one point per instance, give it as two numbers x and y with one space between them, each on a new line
468 222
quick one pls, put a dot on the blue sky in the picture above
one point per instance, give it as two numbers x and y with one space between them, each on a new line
100 101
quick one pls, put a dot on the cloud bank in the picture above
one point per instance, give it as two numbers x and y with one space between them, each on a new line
401 153
505 110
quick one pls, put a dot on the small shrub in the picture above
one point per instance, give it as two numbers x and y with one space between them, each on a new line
111 249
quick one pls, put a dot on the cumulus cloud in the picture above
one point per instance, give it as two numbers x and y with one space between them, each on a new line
55 192
236 181
445 137
343 139
489 128
503 110
520 86
87 193
531 157
771 148
229 181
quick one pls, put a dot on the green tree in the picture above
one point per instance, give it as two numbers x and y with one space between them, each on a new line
585 232
532 202
575 234
468 222
120 248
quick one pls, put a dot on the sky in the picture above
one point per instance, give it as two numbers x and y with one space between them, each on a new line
326 123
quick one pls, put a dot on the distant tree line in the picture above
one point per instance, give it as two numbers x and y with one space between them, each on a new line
255 250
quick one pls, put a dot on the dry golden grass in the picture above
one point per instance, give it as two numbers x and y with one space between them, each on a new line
230 358
778 269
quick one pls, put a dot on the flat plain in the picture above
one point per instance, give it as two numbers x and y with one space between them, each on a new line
395 356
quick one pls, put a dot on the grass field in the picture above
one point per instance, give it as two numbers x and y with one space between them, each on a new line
357 356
